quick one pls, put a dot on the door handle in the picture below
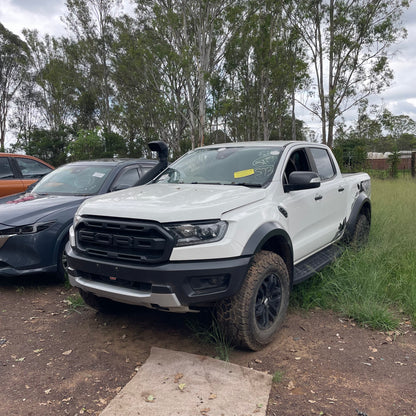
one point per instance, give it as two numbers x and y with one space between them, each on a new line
318 197
341 189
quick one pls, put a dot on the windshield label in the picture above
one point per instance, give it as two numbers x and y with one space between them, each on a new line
243 173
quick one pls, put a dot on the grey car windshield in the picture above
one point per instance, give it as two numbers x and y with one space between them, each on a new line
248 166
73 180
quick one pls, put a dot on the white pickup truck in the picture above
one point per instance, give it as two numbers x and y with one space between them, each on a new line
230 226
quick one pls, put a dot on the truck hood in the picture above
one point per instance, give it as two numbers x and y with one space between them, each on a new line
172 202
30 209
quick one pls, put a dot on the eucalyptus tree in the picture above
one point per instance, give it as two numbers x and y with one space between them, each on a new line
195 32
148 87
14 55
53 80
348 43
265 66
91 24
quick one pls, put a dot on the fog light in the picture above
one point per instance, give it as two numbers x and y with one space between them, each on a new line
209 284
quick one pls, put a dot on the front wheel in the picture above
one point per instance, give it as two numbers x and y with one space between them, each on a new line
252 317
61 262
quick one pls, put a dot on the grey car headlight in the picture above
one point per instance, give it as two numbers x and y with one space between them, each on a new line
188 234
26 229
7 233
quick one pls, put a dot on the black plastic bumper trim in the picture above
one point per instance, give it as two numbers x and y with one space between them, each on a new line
177 276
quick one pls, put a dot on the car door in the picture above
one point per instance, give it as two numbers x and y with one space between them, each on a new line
301 208
333 201
9 183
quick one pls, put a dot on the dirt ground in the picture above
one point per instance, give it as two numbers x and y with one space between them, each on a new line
59 360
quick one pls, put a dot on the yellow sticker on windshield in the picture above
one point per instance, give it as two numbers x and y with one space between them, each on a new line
243 173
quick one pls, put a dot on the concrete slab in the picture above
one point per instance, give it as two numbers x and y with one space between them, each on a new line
172 383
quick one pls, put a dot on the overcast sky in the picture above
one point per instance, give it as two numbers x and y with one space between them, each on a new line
400 98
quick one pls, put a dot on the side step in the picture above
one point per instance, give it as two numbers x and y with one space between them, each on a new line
315 263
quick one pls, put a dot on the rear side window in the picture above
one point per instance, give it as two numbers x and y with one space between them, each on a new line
323 163
127 178
5 169
32 169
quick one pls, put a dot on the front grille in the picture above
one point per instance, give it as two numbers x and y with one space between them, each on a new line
124 240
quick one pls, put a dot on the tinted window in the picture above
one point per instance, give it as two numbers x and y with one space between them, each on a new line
5 170
323 163
32 169
298 162
127 178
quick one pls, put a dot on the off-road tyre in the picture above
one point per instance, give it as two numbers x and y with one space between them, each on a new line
251 318
361 232
103 305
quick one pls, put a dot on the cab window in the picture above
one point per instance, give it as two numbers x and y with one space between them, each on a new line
298 162
324 166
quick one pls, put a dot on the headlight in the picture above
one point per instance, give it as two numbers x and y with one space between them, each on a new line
26 229
188 234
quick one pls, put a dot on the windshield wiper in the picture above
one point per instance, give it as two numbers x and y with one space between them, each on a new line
206 183
248 184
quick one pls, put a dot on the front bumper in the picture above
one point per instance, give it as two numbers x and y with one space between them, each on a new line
174 286
22 255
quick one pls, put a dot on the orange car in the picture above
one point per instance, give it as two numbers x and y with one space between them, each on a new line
17 172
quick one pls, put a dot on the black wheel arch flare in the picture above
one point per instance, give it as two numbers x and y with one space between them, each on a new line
268 237
361 205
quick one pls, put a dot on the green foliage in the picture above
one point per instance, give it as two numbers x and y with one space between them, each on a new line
47 145
376 284
183 72
89 144
394 160
351 154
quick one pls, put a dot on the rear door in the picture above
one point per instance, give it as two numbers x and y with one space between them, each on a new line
334 196
9 183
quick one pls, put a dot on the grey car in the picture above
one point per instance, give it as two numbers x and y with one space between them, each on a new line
34 226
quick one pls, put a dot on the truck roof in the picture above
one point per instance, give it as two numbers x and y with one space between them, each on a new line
278 143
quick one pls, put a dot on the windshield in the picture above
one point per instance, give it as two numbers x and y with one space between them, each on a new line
248 166
73 180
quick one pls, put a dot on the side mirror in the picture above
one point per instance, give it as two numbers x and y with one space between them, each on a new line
302 180
120 187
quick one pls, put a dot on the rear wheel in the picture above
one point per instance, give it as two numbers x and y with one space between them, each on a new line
252 317
361 232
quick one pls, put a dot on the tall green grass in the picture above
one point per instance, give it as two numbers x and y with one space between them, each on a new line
376 285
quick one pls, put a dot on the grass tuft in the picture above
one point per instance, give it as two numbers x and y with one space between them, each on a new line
277 377
210 332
